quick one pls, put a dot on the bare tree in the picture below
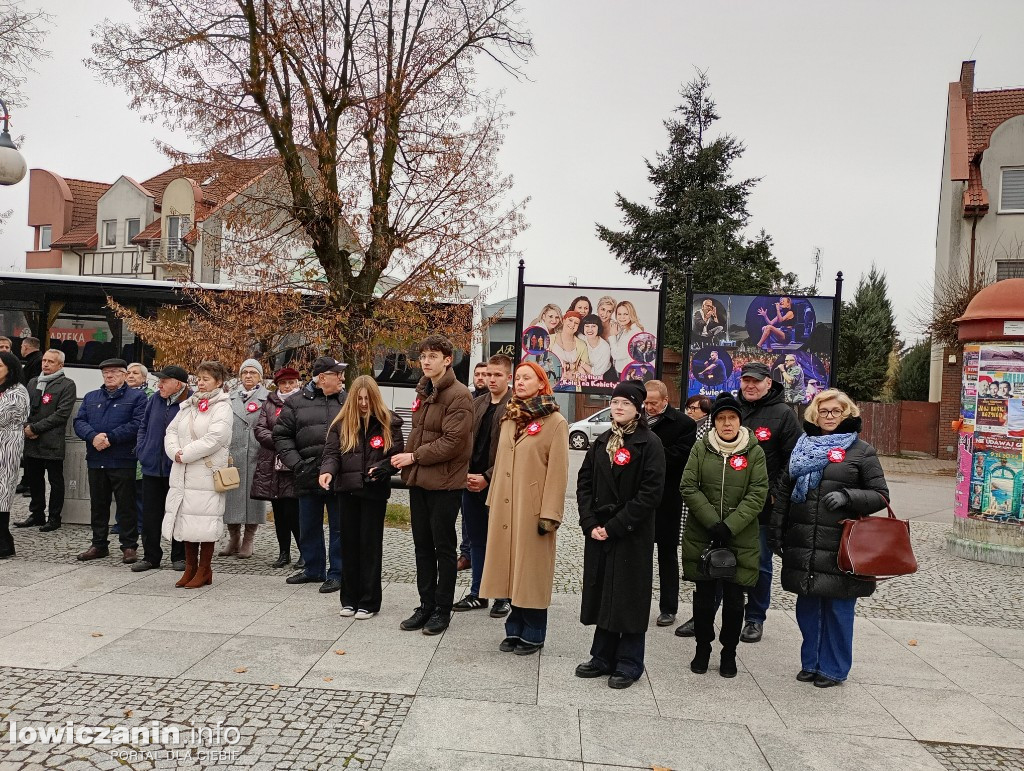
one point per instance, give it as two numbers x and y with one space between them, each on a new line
387 145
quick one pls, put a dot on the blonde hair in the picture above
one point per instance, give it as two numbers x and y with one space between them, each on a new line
850 408
606 300
657 386
634 320
349 420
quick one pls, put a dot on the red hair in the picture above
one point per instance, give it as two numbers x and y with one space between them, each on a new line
545 384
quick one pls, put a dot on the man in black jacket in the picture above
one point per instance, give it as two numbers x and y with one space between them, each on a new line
52 397
299 436
772 422
488 410
31 357
677 433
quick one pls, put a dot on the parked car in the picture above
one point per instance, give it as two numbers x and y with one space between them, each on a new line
583 432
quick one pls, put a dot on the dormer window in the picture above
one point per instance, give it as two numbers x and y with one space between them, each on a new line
45 237
1011 191
132 228
109 234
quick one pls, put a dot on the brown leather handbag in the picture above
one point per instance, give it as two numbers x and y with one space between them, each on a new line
877 548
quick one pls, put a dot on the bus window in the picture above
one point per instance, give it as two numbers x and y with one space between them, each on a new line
83 332
18 320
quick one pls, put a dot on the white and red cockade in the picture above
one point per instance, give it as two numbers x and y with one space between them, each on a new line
203 405
763 433
47 398
738 462
376 442
533 429
622 457
836 455
416 404
252 407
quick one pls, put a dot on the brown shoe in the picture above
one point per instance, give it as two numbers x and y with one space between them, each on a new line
129 557
463 564
191 564
204 573
231 547
93 553
245 550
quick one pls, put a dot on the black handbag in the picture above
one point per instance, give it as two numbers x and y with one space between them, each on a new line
718 562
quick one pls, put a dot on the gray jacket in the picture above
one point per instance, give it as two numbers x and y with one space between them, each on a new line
48 417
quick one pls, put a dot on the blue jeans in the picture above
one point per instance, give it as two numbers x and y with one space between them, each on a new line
616 652
528 624
827 627
759 596
474 522
311 535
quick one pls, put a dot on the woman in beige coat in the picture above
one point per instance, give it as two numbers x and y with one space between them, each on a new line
527 494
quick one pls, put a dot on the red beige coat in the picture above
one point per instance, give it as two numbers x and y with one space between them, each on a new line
528 484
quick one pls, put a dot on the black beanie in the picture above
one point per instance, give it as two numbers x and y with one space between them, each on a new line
725 401
633 390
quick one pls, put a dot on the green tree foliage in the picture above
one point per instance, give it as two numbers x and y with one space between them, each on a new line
699 213
911 382
867 336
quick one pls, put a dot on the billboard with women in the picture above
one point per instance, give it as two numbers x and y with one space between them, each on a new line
588 339
792 335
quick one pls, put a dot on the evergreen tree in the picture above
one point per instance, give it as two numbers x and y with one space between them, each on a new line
699 212
913 374
867 336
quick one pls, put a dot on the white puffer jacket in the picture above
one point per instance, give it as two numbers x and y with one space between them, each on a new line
194 510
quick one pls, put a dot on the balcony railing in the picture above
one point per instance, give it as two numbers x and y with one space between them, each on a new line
168 253
113 262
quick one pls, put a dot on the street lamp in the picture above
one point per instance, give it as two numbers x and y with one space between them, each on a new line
12 164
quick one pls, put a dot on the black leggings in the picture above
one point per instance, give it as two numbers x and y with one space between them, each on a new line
286 522
704 606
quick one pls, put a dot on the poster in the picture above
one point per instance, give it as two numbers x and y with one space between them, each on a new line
992 398
588 339
965 450
791 335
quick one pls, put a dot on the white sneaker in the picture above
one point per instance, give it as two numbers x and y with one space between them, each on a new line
347 611
362 615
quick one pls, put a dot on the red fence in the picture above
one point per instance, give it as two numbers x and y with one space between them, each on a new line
901 427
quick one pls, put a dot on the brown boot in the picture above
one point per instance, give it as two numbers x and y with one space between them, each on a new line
245 550
234 532
191 564
204 574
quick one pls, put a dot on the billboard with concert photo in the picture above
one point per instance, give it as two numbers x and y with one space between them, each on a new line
791 335
588 339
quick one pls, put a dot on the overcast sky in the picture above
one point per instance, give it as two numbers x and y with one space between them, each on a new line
841 107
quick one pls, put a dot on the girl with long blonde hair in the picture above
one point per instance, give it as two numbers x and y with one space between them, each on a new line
629 325
356 466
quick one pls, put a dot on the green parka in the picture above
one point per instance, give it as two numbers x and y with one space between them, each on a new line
718 488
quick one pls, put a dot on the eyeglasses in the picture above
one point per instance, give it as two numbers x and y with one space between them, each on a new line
620 403
691 408
834 413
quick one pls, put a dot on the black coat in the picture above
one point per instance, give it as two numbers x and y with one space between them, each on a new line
771 417
270 483
618 572
677 433
300 434
809 533
48 417
349 469
33 365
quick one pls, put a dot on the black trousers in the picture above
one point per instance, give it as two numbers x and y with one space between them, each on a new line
666 536
705 604
362 551
433 514
286 522
154 496
36 472
117 484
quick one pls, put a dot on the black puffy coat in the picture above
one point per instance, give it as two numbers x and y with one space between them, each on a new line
809 534
268 482
349 469
48 417
300 434
776 429
618 573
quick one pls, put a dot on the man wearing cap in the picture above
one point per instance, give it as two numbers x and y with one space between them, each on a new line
108 421
171 390
772 422
299 436
52 396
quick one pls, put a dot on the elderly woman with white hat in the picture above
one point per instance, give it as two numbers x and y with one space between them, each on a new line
240 510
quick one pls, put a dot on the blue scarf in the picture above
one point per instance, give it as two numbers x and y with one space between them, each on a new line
809 459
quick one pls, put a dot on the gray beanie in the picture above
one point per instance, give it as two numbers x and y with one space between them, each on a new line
252 363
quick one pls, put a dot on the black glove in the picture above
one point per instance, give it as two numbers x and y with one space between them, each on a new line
720 534
381 473
541 530
836 500
775 543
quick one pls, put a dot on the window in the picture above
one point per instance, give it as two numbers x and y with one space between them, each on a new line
109 233
83 332
173 231
1011 191
1009 269
45 237
131 229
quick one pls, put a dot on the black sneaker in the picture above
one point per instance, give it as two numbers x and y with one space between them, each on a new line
500 608
469 602
438 622
417 620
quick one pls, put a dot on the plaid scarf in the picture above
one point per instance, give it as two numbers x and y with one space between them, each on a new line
619 434
524 411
